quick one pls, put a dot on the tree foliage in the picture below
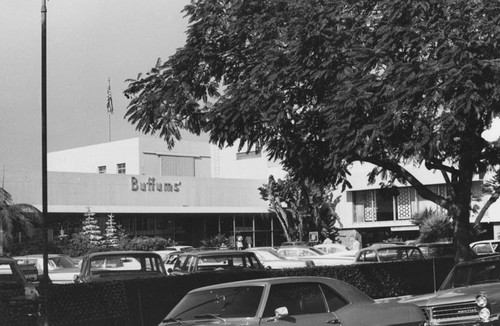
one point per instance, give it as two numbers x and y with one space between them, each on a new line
321 84
301 207
16 218
434 225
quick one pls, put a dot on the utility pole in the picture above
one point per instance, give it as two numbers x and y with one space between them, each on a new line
45 280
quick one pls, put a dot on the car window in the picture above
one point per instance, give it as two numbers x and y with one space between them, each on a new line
171 259
9 274
298 298
225 303
470 274
482 248
182 263
368 255
334 300
62 262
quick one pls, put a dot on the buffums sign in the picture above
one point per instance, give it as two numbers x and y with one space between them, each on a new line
153 185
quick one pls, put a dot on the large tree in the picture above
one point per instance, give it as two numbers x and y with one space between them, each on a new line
324 83
16 217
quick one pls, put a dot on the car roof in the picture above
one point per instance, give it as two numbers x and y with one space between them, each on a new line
216 252
121 253
338 284
485 241
426 244
5 259
389 246
480 259
39 256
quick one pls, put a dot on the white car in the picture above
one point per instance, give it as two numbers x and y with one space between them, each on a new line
271 259
317 256
61 268
331 248
485 247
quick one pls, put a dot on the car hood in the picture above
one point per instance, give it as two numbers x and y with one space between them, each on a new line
454 295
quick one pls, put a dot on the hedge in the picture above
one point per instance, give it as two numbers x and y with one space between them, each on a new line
147 301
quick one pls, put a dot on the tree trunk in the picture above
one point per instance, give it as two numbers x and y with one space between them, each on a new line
462 237
1 238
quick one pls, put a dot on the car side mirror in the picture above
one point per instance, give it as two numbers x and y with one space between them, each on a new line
281 312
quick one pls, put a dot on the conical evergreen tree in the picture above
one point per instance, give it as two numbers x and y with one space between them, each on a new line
111 235
90 229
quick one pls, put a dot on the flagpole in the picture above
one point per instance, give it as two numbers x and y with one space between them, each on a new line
109 127
109 108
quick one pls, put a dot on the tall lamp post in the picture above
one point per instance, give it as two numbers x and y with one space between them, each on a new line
44 148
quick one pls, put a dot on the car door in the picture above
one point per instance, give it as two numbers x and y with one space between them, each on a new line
305 303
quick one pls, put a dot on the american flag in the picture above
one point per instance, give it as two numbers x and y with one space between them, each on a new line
109 100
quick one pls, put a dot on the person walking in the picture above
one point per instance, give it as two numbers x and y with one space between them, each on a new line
239 242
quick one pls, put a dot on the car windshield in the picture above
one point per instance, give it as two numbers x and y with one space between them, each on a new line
315 252
268 255
224 303
388 254
61 262
471 274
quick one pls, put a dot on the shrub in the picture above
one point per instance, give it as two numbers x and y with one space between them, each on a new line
147 243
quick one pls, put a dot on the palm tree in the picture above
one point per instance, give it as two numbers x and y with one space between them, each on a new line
15 217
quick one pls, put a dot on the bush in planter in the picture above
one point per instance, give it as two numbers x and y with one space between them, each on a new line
147 243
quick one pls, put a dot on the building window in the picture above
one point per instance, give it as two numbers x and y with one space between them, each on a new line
247 156
375 205
101 169
120 168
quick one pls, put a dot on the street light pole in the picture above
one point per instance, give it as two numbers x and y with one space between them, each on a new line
45 280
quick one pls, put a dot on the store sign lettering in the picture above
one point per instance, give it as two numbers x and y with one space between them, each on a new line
152 185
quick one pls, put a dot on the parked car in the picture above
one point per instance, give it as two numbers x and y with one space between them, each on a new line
288 301
293 244
215 260
385 253
10 273
120 265
331 248
470 295
437 249
485 247
271 259
317 256
61 268
163 253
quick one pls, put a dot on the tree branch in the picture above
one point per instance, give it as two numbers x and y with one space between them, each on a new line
401 172
493 198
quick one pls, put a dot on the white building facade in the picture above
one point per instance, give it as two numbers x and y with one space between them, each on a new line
197 190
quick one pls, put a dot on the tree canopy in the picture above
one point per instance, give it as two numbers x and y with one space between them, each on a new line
321 84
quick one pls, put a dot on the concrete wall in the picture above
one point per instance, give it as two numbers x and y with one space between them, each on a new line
118 193
87 159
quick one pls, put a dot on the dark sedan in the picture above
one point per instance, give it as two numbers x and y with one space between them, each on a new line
120 265
216 261
470 295
289 301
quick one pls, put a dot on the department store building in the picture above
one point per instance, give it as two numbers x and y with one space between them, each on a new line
196 190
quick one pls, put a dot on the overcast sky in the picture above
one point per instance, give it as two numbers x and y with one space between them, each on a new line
87 43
